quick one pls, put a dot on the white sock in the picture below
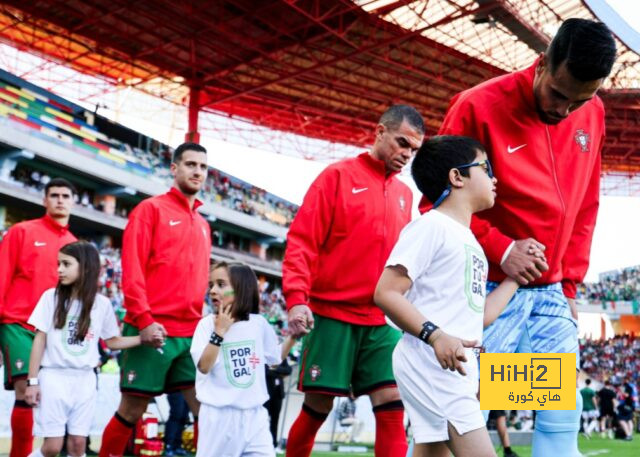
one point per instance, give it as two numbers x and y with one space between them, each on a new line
36 453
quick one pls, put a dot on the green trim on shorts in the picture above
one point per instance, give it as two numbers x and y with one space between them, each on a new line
147 372
338 356
15 343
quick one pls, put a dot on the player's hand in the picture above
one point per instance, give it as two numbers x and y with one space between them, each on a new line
32 395
300 320
153 335
450 351
526 261
223 319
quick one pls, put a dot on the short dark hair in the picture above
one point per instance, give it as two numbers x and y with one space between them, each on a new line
587 381
60 182
436 157
245 288
177 153
394 115
587 47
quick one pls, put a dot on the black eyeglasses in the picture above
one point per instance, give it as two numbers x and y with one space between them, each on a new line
486 166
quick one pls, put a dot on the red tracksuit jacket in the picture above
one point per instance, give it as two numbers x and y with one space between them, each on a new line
341 238
548 175
29 266
165 264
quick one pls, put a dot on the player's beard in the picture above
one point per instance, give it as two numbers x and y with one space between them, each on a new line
187 188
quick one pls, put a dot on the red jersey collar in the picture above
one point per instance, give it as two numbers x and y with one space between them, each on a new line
376 165
528 75
182 199
52 224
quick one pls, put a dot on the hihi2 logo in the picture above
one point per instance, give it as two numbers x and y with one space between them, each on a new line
527 381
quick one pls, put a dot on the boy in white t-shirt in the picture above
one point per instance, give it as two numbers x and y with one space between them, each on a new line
433 288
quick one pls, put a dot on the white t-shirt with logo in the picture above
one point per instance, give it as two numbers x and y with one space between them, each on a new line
449 273
237 378
62 350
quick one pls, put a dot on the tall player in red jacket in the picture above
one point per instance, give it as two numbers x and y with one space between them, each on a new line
337 247
543 128
28 267
165 272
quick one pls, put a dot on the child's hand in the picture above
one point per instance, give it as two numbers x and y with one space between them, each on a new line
450 351
157 339
32 395
223 319
535 251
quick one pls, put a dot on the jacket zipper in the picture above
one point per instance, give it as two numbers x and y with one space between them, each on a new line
555 178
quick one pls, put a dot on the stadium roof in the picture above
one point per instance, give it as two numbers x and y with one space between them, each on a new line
319 68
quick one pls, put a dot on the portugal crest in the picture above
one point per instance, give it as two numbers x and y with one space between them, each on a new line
315 372
583 139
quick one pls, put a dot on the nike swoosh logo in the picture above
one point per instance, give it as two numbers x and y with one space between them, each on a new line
357 191
172 223
511 150
39 244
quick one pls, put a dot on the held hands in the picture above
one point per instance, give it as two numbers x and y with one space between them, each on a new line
300 320
223 319
450 351
32 395
153 335
526 262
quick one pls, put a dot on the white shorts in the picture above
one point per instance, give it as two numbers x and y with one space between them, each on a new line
593 414
67 398
433 396
233 432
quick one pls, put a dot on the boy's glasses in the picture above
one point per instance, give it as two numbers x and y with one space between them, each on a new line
486 166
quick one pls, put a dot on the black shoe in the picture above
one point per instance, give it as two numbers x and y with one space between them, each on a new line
510 454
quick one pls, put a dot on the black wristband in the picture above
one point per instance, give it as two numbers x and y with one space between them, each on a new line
216 339
427 330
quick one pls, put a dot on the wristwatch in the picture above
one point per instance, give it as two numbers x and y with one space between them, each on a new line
216 339
32 382
427 330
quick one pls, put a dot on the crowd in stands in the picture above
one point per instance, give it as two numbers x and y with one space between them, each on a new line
622 285
224 190
68 125
34 181
615 359
219 188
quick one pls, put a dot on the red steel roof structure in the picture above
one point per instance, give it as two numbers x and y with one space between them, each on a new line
320 68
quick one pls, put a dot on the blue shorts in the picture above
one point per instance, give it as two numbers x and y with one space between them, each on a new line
536 320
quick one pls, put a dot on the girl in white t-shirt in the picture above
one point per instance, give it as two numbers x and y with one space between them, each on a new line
230 349
69 321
